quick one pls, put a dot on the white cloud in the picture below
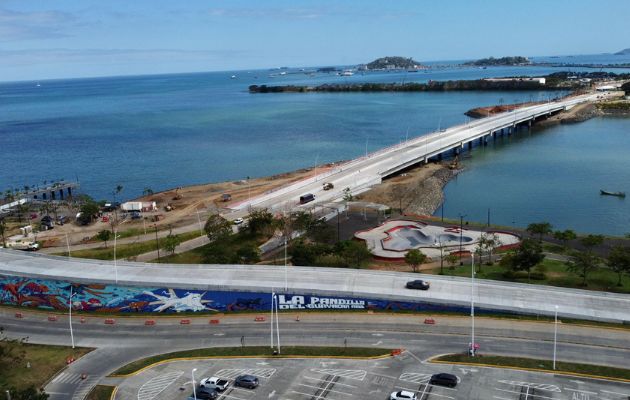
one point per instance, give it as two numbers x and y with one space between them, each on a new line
15 25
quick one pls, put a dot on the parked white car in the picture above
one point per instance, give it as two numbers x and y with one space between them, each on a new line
403 395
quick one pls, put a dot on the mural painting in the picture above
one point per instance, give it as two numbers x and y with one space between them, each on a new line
54 295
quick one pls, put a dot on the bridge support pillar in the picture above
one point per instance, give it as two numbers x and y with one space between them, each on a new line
485 140
529 124
470 144
456 151
52 195
61 194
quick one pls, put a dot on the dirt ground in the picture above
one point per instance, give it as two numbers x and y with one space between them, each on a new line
185 201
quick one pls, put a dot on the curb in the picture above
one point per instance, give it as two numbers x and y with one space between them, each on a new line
548 371
113 395
293 357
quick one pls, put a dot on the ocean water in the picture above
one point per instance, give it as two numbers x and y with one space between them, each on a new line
553 174
172 130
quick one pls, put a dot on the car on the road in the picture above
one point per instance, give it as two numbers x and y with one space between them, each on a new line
246 381
238 221
204 394
328 185
403 395
443 379
418 284
214 382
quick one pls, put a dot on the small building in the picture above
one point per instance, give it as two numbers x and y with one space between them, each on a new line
143 206
606 88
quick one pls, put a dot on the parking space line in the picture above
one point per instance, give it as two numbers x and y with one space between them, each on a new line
329 390
322 380
529 395
227 396
500 398
414 377
152 388
356 374
231 373
541 386
441 395
310 395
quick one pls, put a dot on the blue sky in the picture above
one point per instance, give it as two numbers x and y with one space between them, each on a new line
41 39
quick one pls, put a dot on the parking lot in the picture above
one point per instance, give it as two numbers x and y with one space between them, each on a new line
337 379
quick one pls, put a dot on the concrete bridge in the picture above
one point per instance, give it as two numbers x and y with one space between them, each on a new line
362 173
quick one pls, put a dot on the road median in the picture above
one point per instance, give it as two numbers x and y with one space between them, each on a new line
530 364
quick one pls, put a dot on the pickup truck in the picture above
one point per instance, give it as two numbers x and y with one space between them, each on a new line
215 383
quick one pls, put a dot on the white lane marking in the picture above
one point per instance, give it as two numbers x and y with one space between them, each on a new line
377 334
541 386
500 398
519 392
329 390
621 394
84 388
231 373
377 343
579 391
68 378
414 377
322 380
356 374
273 393
155 386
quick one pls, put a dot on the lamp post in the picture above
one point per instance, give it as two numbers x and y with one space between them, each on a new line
70 315
286 272
199 222
461 238
157 242
193 383
115 262
68 245
472 305
555 337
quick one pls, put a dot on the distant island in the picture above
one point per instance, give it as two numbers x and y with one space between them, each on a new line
489 62
623 52
394 63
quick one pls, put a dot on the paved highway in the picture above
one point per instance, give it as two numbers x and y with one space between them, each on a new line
362 173
383 285
130 339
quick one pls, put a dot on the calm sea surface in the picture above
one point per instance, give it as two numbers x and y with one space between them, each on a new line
172 130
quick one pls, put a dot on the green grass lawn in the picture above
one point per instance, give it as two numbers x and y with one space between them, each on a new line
101 392
262 351
126 250
230 245
530 363
45 361
556 274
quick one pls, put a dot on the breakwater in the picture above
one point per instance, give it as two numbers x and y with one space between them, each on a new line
431 86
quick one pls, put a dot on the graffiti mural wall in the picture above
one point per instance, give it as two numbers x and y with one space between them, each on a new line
55 295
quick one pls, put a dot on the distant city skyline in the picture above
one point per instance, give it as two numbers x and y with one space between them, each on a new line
64 39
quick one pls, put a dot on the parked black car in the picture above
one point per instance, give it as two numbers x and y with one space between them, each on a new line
203 393
443 379
418 284
47 222
246 381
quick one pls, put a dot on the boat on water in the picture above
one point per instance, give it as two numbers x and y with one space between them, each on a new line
347 73
607 193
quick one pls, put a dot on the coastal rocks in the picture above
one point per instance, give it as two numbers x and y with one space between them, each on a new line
418 191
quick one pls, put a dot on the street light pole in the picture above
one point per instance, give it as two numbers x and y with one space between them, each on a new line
70 316
273 296
555 337
277 324
286 272
193 383
461 229
472 305
115 262
199 221
68 245
157 242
